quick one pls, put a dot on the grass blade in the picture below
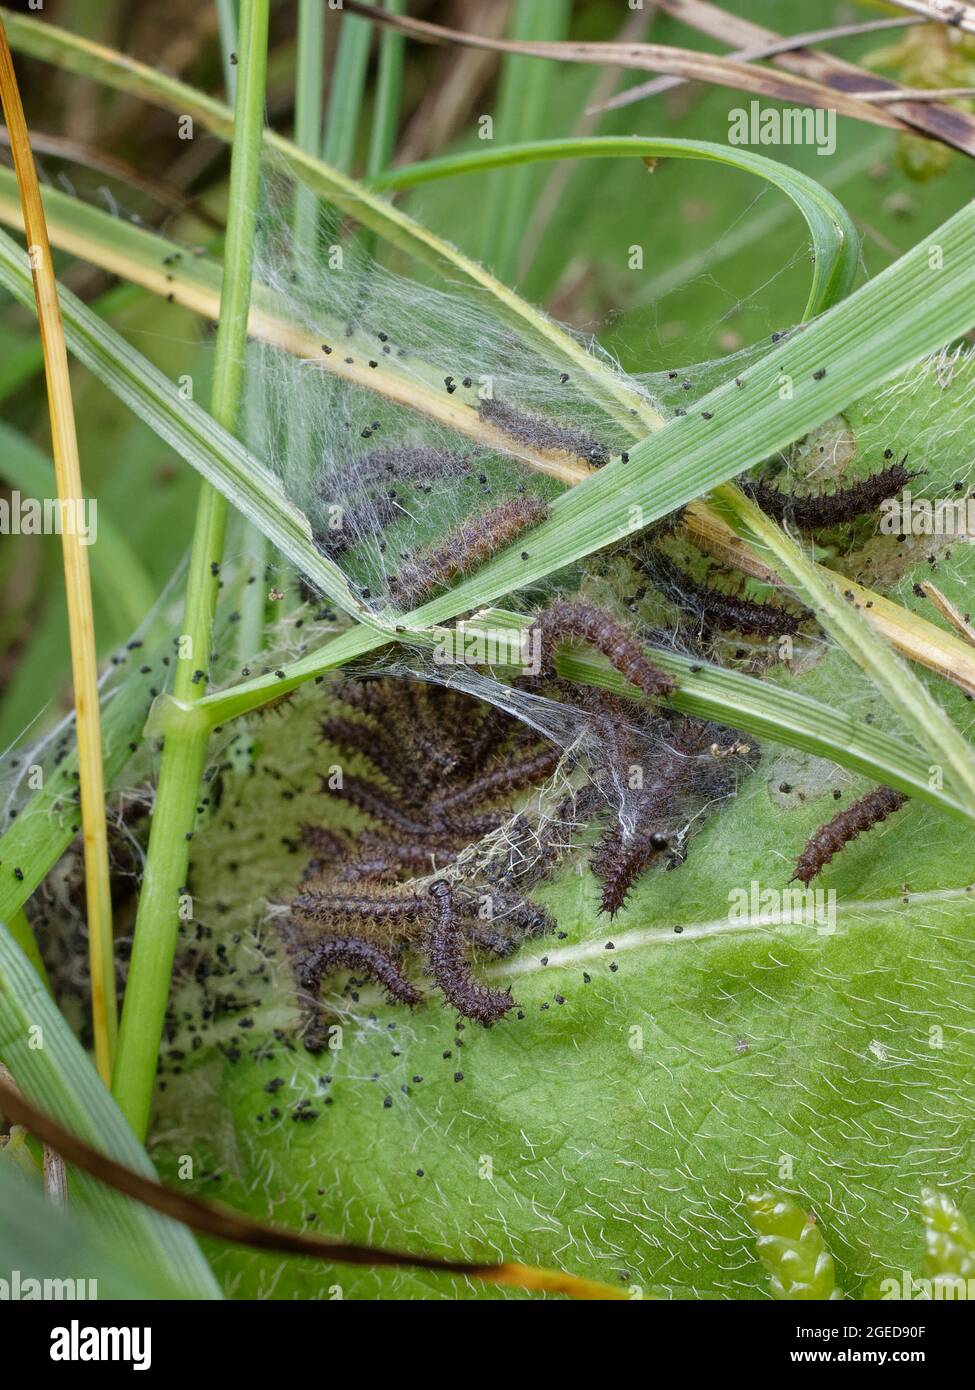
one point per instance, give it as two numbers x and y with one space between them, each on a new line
345 97
688 63
841 619
81 624
187 428
835 243
521 109
389 87
58 1077
184 754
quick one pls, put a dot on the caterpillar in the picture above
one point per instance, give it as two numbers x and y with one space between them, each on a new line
526 917
451 969
574 620
324 906
376 803
376 744
510 776
324 841
492 733
331 953
830 838
466 548
717 609
618 863
691 760
543 434
356 523
817 510
394 859
394 464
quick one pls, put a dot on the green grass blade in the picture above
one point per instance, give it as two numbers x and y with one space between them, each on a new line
44 1242
389 87
74 54
184 755
308 113
710 692
187 428
522 107
48 1064
930 725
227 20
345 97
885 326
835 243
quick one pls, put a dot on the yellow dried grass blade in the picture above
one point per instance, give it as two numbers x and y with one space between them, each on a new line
84 668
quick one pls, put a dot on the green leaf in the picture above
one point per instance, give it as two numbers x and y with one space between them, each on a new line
732 1050
625 1125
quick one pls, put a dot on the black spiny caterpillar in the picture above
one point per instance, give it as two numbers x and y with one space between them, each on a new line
830 838
447 769
574 620
450 967
717 610
814 511
445 757
385 467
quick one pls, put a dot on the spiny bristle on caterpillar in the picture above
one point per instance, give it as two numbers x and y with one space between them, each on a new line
830 838
466 548
815 511
575 620
447 953
542 434
716 609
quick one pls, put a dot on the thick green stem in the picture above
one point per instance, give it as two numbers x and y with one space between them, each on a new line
184 754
